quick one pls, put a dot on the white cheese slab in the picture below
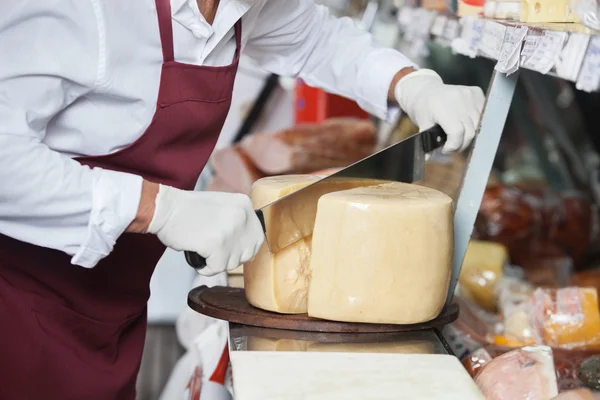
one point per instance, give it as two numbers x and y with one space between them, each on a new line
350 376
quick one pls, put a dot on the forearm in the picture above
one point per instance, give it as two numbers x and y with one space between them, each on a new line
299 38
401 74
146 208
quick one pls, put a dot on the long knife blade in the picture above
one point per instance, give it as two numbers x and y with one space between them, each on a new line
402 162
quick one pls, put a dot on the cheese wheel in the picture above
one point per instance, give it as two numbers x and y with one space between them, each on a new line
279 282
381 254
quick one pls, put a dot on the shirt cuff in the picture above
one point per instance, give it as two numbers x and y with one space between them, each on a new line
116 197
375 78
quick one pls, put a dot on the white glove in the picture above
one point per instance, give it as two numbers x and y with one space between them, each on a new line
428 101
221 227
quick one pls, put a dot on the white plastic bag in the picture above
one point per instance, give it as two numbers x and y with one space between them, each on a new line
203 373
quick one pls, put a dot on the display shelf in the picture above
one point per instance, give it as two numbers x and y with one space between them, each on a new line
568 51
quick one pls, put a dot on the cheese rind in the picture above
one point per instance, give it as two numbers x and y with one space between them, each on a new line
381 254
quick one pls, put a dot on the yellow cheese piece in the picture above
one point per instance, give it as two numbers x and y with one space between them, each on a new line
235 281
381 254
238 271
536 11
279 282
482 268
290 219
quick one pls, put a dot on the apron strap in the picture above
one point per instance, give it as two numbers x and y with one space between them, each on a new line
165 25
238 38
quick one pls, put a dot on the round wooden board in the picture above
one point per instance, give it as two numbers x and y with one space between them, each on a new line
230 304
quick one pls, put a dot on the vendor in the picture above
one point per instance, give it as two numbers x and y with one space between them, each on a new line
109 111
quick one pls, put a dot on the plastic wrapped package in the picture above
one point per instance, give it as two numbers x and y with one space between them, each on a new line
566 318
524 374
482 269
536 225
469 332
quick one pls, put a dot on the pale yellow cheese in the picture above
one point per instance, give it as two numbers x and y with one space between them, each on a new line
482 268
535 11
279 282
238 271
235 281
381 254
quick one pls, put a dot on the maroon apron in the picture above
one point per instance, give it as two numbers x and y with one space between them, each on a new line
71 333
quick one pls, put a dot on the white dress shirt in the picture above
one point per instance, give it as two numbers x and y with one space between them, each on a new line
81 77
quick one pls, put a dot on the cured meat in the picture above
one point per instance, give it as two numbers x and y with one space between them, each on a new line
311 147
235 170
523 374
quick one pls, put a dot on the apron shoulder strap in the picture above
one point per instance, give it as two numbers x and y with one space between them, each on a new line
165 25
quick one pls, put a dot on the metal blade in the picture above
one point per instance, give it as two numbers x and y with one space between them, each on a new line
401 162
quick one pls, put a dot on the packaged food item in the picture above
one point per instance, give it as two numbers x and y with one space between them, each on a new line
535 224
381 254
481 270
566 318
311 147
524 374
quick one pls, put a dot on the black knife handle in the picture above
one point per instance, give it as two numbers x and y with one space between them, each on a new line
433 139
198 262
195 260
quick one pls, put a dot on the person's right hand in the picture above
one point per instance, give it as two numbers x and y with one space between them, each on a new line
221 227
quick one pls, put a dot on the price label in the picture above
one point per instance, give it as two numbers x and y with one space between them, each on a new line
589 77
492 39
439 23
508 61
468 41
546 52
571 58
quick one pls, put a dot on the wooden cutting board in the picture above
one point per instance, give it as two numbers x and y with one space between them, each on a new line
350 376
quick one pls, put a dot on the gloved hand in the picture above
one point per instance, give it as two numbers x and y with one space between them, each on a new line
221 227
428 101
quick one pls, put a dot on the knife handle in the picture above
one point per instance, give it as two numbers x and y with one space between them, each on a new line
198 262
433 139
195 260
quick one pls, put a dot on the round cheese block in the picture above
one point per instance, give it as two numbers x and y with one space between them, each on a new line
381 254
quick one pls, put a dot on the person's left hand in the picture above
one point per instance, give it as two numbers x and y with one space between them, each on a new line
428 101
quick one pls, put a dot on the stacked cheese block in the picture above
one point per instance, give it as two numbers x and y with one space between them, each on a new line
380 252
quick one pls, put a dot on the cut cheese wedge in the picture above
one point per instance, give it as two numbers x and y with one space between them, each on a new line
381 254
279 282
